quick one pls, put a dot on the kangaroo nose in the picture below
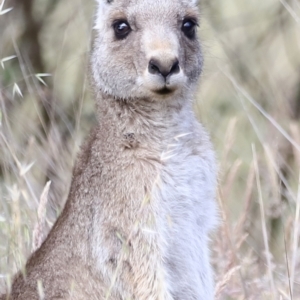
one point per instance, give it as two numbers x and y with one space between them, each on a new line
164 68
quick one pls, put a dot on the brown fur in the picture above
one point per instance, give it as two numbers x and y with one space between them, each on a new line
141 200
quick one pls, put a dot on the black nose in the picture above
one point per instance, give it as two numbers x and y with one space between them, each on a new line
164 68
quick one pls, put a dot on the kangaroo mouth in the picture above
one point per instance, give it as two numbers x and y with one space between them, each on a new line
164 91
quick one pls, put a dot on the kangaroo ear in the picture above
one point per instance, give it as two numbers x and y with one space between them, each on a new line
101 12
104 1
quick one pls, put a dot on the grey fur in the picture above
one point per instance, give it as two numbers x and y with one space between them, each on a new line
142 197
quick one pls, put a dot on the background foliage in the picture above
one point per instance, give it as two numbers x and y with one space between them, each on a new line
249 99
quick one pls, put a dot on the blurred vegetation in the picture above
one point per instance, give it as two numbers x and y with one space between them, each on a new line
249 99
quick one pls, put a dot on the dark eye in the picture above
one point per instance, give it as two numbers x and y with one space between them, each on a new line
121 28
189 28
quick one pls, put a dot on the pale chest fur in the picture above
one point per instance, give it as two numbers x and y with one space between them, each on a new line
163 236
186 193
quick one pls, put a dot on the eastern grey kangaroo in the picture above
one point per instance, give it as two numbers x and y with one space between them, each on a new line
142 197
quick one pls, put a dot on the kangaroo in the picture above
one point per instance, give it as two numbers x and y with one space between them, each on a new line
142 198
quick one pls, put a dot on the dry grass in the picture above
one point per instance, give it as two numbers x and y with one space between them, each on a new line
249 99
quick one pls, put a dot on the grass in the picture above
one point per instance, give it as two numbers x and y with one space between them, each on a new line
248 99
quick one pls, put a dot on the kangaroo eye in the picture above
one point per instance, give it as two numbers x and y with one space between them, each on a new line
189 28
121 28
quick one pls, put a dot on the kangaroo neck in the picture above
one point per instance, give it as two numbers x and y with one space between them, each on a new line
142 117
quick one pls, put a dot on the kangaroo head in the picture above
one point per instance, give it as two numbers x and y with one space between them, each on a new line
146 48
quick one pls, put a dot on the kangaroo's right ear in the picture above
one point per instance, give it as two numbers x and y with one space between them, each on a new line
101 12
104 1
